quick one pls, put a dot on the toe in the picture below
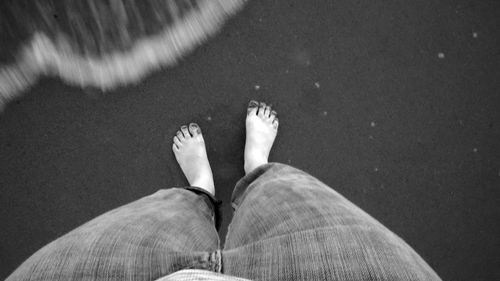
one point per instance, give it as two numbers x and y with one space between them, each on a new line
252 107
275 123
273 115
267 111
194 129
262 108
175 148
185 131
177 142
180 135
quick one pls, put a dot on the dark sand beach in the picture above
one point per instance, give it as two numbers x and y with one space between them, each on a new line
394 104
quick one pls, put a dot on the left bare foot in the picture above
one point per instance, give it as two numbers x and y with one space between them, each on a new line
190 152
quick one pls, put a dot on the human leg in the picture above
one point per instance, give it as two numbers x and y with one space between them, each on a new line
154 236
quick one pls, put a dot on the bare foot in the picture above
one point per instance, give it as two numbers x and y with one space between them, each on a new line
261 127
190 152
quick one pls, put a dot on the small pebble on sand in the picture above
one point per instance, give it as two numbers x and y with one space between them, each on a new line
474 34
325 113
209 118
441 55
316 84
257 87
375 169
474 149
373 124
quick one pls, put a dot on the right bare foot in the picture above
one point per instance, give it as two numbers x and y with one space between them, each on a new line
261 127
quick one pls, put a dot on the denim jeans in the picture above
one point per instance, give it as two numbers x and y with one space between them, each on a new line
287 225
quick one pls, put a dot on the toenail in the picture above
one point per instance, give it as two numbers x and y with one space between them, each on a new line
274 113
184 127
193 127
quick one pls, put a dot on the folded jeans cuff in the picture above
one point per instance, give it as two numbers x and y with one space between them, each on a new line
242 185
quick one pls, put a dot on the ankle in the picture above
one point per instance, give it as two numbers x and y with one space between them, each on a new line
254 163
204 183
